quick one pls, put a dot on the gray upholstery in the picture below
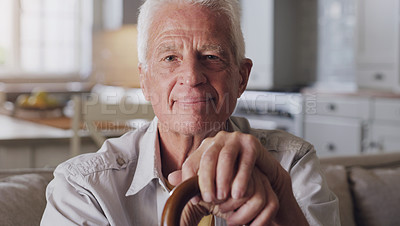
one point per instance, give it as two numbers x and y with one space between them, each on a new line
367 188
336 176
22 196
382 206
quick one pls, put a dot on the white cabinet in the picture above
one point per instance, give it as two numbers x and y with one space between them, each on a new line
386 110
385 127
333 135
338 124
385 137
350 124
349 107
377 48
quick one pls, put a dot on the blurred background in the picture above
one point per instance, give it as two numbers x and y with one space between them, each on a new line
325 70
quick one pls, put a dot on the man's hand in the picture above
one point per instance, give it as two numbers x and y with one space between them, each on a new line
255 206
224 164
241 181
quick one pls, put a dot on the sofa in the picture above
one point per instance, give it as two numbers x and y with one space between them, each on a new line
22 196
368 188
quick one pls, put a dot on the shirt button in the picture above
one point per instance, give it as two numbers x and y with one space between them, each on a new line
263 141
120 161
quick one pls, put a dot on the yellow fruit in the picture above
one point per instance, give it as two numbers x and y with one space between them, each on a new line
22 100
40 95
37 102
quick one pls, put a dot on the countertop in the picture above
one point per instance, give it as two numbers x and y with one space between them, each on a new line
14 129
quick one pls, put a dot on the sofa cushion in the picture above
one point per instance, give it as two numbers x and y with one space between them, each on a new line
22 199
376 195
45 172
336 177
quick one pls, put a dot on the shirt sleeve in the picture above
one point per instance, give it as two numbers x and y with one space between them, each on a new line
69 203
318 203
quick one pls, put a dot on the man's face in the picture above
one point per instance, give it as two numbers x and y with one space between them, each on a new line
191 78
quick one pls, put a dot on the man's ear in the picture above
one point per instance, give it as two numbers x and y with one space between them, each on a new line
245 68
143 82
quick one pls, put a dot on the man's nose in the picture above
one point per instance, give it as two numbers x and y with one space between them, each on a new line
192 73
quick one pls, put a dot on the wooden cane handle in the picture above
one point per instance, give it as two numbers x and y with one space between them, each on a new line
171 215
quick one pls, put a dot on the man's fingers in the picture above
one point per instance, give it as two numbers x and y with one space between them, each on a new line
191 165
246 165
226 162
231 205
269 212
207 171
189 170
251 209
175 177
240 182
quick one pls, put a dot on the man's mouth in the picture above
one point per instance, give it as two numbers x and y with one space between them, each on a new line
194 100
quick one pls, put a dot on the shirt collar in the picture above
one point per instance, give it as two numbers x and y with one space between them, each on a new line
149 161
231 126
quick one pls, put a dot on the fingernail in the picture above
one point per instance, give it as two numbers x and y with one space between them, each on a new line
206 197
221 195
236 194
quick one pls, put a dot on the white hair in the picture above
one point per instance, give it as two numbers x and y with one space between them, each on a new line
230 8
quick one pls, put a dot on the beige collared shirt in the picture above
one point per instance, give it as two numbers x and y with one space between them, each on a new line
122 183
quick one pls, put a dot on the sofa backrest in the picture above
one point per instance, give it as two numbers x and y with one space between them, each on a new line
365 161
367 187
47 173
22 196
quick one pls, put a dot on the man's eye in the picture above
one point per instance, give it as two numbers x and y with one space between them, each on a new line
212 57
170 58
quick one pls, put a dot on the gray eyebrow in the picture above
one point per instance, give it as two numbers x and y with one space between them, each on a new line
209 47
166 48
212 47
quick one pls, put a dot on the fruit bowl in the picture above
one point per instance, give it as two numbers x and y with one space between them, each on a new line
39 100
39 108
38 104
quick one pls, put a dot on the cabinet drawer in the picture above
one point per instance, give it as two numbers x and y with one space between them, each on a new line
386 137
377 78
387 109
334 136
343 107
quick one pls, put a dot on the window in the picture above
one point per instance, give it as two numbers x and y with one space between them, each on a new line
45 39
336 42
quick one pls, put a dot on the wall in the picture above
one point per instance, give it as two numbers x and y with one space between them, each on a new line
114 50
295 44
131 11
115 57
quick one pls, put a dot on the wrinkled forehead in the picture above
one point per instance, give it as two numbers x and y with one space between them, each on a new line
186 17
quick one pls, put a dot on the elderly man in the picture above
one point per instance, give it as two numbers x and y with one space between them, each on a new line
193 69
